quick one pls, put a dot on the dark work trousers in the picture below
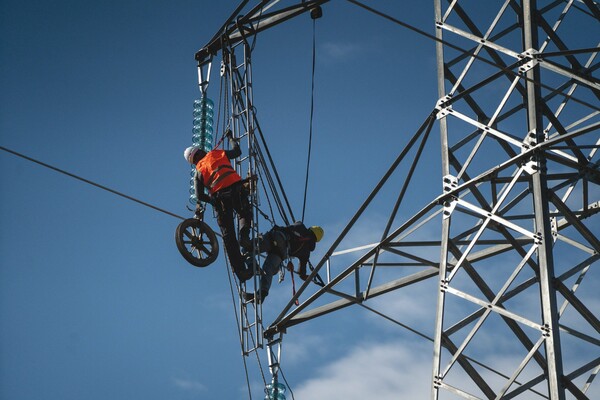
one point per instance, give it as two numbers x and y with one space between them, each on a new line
228 200
274 243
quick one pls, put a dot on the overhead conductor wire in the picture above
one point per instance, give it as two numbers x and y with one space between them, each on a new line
480 58
62 171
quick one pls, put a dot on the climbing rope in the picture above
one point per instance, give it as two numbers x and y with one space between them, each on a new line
262 162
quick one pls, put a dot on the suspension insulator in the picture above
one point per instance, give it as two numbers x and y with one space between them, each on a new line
202 132
275 391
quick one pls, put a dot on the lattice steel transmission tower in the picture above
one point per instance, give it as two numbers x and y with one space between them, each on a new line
512 235
508 235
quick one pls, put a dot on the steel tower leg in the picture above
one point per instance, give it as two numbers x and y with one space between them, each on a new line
439 316
461 274
542 212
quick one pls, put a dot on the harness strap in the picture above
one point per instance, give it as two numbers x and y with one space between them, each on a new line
290 267
212 182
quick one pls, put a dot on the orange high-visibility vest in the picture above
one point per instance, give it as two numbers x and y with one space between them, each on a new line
217 172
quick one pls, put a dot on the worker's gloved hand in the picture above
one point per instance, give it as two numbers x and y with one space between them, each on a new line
302 275
229 135
207 199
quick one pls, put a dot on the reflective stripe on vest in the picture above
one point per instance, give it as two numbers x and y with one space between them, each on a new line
217 172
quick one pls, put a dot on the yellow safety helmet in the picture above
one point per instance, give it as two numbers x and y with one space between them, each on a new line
317 231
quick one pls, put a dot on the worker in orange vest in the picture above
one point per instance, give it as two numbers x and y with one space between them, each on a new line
226 194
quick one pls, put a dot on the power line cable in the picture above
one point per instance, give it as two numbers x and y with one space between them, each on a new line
43 164
424 336
480 58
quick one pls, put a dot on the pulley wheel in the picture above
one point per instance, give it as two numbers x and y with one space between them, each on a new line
197 242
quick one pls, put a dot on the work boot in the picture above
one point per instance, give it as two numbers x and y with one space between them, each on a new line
259 298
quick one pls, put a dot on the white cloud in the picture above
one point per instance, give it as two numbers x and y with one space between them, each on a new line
189 385
295 351
392 370
340 51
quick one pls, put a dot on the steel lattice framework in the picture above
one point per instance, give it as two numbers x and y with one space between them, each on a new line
511 235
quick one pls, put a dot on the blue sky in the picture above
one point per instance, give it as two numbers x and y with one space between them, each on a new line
95 300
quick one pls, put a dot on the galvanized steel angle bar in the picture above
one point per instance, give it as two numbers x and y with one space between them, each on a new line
459 351
577 123
527 386
578 155
485 311
571 74
484 133
556 25
295 317
498 310
476 314
513 325
449 10
457 391
487 128
479 40
580 268
399 200
480 45
514 160
520 368
497 219
592 365
504 100
573 289
470 246
569 93
466 363
465 321
422 261
579 335
575 244
575 222
585 312
590 379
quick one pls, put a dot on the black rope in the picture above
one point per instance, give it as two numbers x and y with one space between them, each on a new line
262 182
270 158
312 106
91 183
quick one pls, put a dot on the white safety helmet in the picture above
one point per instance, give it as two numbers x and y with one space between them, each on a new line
189 153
